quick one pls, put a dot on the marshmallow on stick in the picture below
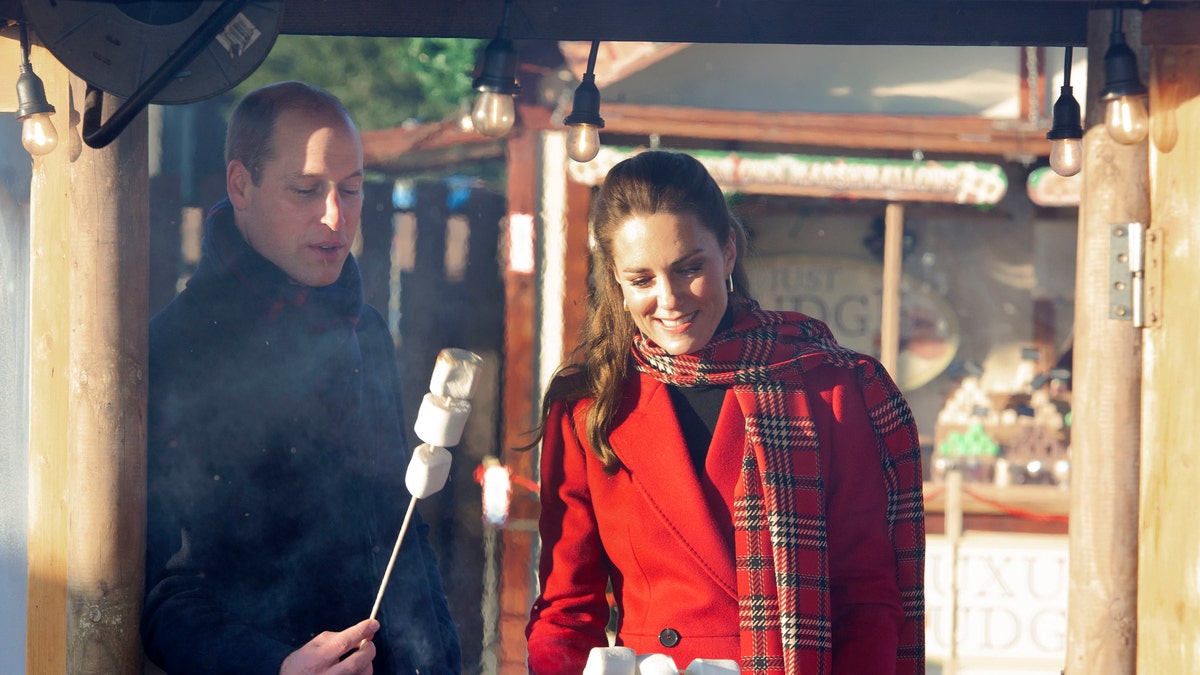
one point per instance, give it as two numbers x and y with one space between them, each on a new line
440 423
713 667
624 661
611 661
656 664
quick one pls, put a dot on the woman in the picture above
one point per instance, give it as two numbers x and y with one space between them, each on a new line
751 489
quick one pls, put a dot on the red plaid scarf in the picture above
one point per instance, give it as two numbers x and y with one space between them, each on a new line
779 520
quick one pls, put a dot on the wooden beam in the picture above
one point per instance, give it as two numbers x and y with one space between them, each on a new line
1102 597
920 22
893 248
1104 459
49 390
437 146
1174 25
1168 593
520 409
109 303
10 53
427 147
1106 383
957 135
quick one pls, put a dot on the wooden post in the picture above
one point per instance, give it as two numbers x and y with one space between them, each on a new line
893 258
518 541
1106 385
107 429
49 391
953 531
1168 627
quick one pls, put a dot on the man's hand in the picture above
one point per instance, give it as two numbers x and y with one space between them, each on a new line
323 654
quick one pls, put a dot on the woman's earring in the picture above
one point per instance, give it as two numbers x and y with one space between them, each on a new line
730 283
624 304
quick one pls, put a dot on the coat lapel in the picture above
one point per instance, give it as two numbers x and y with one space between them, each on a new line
650 444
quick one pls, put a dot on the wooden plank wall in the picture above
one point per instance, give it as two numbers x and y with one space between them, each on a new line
1168 588
49 386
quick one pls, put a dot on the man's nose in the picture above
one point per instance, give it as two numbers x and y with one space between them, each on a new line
333 218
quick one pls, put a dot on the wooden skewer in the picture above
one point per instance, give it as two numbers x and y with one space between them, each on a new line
387 573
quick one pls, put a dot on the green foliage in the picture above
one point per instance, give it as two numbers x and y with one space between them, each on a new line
384 82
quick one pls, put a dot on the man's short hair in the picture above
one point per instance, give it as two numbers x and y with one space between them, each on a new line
248 137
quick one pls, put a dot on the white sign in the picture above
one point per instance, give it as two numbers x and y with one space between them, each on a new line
1011 601
820 176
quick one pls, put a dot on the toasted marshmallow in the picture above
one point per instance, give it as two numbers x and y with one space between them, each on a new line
455 374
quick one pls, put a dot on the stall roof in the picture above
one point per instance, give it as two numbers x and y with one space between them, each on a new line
927 22
914 22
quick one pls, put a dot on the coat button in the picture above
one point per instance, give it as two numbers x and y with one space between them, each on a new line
669 637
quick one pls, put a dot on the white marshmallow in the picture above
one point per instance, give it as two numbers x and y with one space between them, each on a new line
656 664
427 470
610 661
713 667
455 373
441 420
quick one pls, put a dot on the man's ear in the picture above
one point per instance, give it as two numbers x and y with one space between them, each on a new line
238 183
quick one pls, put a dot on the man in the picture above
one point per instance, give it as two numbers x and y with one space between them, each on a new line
276 444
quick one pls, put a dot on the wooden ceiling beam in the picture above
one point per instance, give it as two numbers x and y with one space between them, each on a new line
944 134
433 147
882 22
916 22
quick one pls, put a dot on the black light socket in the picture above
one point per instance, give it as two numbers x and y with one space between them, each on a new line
585 108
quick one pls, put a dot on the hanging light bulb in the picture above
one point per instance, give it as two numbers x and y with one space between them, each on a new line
494 112
38 134
583 138
1066 156
1127 120
1066 134
1125 113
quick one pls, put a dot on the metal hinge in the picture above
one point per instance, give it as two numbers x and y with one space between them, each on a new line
1135 274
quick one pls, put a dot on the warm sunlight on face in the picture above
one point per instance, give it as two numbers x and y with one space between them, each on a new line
672 271
305 212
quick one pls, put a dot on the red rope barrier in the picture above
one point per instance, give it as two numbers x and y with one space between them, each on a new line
515 479
526 483
1014 511
934 494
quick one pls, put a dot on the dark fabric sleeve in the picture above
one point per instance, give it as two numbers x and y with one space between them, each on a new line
186 627
864 593
569 618
186 630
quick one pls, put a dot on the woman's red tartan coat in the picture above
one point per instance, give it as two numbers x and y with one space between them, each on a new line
667 538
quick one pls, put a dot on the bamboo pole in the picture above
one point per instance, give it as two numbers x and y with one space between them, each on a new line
1168 593
49 338
1103 535
107 429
